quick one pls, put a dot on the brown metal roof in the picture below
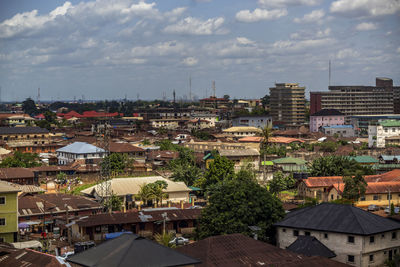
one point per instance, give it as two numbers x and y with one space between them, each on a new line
239 250
12 173
139 216
124 148
26 257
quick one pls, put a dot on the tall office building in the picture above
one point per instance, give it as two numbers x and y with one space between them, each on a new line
358 100
287 103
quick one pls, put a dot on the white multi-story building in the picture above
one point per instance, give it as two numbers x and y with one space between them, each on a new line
385 133
78 150
354 236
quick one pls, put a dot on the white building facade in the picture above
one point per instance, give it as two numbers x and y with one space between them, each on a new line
378 134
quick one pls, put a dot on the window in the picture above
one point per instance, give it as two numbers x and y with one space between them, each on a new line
2 221
331 197
350 258
1 239
371 239
2 200
307 233
350 239
362 198
371 258
326 236
382 235
295 233
284 230
394 235
375 197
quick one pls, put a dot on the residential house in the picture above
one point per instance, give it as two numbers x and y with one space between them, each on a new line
365 160
170 123
384 133
355 236
275 140
325 117
161 158
214 102
198 124
11 256
240 250
79 150
144 223
339 130
242 131
131 250
381 194
387 163
205 146
130 151
121 187
24 138
290 165
15 119
212 118
242 157
23 176
253 121
317 187
33 209
8 213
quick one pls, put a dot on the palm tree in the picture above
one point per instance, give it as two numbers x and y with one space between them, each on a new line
164 239
158 191
264 142
145 193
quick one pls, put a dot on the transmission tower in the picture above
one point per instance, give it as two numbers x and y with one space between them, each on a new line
104 179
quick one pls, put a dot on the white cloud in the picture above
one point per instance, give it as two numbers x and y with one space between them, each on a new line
260 14
194 26
299 45
240 47
314 16
398 50
284 3
365 8
366 26
30 21
190 61
244 41
158 49
347 53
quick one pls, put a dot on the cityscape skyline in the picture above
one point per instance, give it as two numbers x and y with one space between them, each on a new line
109 50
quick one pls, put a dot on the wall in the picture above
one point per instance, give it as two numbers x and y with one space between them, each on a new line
9 212
318 121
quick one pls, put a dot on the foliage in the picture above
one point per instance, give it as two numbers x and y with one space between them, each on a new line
78 189
116 162
275 150
146 142
220 169
354 186
281 182
115 202
392 209
336 166
309 202
328 146
162 130
153 191
226 97
19 159
234 205
265 101
61 178
167 145
29 106
201 134
43 124
395 262
164 239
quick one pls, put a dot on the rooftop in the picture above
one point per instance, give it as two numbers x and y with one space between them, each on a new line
80 148
23 130
310 246
131 250
390 123
238 152
7 187
240 129
338 126
290 160
339 218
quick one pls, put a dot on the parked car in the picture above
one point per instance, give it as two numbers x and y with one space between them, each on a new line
396 210
179 241
373 208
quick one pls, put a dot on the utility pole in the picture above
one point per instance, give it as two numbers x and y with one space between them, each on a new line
67 220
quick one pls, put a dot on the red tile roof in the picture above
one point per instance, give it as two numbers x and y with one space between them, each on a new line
374 188
124 148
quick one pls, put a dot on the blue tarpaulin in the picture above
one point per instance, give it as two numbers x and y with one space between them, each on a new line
116 234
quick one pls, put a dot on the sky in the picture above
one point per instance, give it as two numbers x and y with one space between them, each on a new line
112 49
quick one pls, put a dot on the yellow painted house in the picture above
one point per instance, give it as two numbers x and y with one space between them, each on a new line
8 213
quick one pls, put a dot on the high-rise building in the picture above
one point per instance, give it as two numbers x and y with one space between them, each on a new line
359 100
287 103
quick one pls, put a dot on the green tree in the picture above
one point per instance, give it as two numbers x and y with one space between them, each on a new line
236 204
281 182
226 97
184 168
264 143
115 202
157 189
19 159
29 106
337 166
145 194
265 101
116 163
61 178
354 186
219 169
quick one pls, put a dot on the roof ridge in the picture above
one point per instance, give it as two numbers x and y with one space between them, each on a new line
352 208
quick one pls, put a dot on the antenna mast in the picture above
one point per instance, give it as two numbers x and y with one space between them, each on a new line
38 96
213 87
104 179
190 88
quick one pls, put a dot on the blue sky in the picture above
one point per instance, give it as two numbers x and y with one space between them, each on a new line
107 49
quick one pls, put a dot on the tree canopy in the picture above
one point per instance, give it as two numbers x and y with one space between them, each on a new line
354 186
19 159
219 169
281 182
237 203
337 166
29 106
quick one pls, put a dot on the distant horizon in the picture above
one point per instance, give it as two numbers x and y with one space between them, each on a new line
145 49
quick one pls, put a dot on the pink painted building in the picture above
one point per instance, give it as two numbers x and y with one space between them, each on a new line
325 117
